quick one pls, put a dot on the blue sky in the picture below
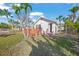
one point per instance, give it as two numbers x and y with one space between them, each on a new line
49 10
53 10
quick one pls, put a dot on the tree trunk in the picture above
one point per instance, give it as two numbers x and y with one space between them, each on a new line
22 28
24 34
60 26
27 15
74 17
66 29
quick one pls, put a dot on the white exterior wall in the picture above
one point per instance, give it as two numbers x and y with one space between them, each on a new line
54 28
45 25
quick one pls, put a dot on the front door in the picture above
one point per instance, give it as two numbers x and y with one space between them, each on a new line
50 26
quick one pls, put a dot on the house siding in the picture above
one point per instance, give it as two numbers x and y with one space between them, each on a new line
54 28
45 25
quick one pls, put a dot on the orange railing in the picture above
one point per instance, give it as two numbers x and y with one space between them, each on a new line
32 32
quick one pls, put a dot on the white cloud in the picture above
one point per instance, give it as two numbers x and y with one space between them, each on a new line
36 14
4 7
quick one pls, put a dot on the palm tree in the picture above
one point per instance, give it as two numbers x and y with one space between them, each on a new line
71 26
60 19
17 10
22 8
26 7
77 25
66 24
6 13
23 17
1 12
73 11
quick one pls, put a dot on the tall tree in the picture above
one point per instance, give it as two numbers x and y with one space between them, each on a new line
60 19
1 12
66 24
22 14
26 7
77 24
74 10
6 13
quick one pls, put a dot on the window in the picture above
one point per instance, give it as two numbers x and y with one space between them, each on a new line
38 26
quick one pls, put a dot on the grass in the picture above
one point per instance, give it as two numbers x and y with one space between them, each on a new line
8 41
41 45
11 40
55 46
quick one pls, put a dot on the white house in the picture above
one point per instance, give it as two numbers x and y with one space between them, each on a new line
61 27
46 25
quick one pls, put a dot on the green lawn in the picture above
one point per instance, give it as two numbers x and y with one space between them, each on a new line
65 45
41 45
55 46
9 41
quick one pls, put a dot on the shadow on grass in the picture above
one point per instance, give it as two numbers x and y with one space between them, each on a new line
59 46
66 45
45 49
31 41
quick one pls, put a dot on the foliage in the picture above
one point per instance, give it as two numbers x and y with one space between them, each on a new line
14 23
59 18
25 7
5 12
16 9
73 11
71 23
1 12
5 25
22 13
77 23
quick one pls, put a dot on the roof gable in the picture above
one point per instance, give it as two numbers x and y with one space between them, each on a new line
46 20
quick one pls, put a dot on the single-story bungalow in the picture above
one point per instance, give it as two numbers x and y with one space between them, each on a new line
46 25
